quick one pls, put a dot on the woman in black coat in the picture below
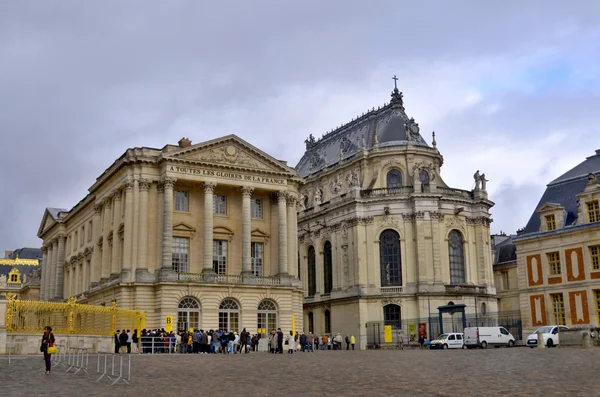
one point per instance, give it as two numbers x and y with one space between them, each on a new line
47 341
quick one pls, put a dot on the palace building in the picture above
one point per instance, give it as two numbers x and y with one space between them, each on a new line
558 252
382 239
19 273
204 233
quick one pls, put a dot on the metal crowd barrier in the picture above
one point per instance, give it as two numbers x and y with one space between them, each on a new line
78 358
16 348
114 367
60 357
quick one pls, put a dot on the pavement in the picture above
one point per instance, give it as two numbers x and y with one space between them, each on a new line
502 372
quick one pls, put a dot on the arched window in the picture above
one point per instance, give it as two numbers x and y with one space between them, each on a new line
424 178
389 258
267 316
327 268
188 314
229 315
311 322
391 316
394 179
327 315
457 257
312 272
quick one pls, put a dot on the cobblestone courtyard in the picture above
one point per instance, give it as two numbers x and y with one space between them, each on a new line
492 372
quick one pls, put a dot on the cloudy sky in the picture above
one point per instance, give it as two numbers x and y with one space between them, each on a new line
511 88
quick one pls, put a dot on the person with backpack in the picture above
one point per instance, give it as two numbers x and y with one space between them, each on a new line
47 347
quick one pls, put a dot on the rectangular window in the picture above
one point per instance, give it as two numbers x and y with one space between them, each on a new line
181 250
505 284
220 204
554 263
550 222
256 208
220 256
181 201
595 254
75 241
256 251
82 235
558 308
597 299
89 229
593 211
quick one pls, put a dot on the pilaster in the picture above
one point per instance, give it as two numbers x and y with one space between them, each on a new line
128 227
207 266
59 267
167 237
142 263
116 223
282 231
246 230
95 264
136 224
292 236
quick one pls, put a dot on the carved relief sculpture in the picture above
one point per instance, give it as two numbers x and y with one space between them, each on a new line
336 186
352 179
318 199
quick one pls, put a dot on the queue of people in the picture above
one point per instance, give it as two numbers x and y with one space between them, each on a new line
307 342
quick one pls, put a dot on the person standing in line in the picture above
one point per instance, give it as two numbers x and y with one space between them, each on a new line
244 341
135 341
117 341
47 341
129 341
279 341
291 343
352 341
122 340
347 342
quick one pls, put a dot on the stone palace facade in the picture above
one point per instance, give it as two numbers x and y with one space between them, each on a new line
205 233
382 238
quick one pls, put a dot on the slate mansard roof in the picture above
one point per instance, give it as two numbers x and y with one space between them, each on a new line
386 126
564 190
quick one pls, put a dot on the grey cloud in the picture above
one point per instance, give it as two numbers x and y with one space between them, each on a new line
98 77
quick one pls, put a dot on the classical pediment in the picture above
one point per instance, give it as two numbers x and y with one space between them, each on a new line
546 207
184 229
230 151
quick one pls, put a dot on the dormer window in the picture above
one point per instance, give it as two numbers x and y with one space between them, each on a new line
550 222
593 210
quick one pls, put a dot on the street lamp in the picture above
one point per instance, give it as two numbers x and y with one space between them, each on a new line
428 312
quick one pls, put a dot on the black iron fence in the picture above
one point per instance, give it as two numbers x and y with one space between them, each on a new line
407 332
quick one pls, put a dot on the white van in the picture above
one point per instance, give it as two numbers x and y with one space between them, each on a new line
488 336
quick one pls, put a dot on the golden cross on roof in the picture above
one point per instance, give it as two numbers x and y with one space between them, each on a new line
395 82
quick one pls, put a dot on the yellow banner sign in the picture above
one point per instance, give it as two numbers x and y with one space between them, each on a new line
169 324
412 332
387 333
294 325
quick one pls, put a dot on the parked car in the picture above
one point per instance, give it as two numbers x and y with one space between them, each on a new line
550 335
451 340
488 336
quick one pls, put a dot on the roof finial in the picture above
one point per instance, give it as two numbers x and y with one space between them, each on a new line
434 143
396 95
395 83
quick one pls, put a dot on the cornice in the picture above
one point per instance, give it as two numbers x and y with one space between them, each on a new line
286 175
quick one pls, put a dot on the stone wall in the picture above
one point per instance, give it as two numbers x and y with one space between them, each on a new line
30 343
583 337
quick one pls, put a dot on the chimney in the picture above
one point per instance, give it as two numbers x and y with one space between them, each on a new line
185 142
7 254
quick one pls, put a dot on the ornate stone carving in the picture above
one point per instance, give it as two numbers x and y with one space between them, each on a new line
408 217
352 179
128 185
144 184
282 195
478 220
227 154
302 202
367 220
391 301
454 222
169 182
318 197
209 187
412 130
160 187
291 200
336 186
419 215
61 238
107 202
435 216
246 191
117 194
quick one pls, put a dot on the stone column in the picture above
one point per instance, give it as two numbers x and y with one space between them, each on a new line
95 264
167 237
76 279
116 223
60 267
292 237
51 272
157 252
44 285
136 225
209 188
67 283
106 204
282 230
246 230
128 228
144 185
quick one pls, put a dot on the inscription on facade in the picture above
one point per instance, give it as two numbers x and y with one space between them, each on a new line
227 175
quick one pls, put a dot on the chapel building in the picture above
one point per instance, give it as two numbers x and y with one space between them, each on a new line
558 252
204 233
383 239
